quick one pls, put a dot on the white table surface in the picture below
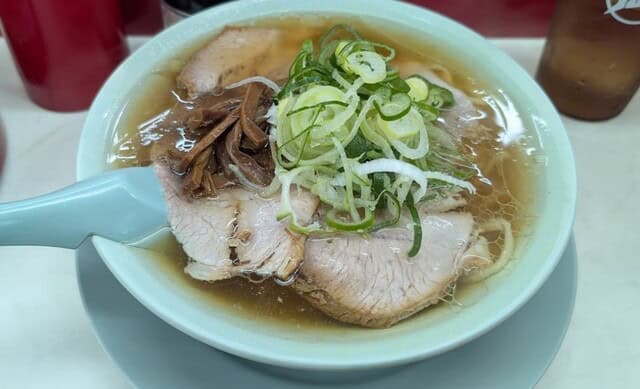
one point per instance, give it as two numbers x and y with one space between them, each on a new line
46 339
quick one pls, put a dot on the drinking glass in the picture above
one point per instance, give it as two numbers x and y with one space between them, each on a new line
590 66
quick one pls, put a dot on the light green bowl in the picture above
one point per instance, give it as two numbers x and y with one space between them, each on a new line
439 330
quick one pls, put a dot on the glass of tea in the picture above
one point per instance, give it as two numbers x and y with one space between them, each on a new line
590 66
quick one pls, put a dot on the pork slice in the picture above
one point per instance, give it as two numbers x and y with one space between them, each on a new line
202 226
371 281
236 233
271 249
234 54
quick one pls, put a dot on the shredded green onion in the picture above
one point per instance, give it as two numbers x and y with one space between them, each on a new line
417 227
362 224
394 208
348 128
394 108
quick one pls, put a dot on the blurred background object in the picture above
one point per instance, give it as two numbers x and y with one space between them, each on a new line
64 51
498 18
175 11
590 66
141 17
495 18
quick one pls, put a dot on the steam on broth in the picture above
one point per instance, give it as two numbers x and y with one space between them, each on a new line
503 179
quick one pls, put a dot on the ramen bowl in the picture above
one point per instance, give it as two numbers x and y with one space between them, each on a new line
346 347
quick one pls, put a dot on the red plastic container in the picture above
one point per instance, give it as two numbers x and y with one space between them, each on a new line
64 49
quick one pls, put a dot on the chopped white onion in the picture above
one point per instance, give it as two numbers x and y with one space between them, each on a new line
343 83
260 79
451 180
271 114
421 177
413 153
388 165
353 90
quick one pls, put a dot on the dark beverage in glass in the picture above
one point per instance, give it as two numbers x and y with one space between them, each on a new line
590 66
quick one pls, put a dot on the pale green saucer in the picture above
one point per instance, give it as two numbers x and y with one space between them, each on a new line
155 355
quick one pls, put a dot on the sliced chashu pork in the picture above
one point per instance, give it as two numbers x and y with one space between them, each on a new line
235 233
370 281
234 54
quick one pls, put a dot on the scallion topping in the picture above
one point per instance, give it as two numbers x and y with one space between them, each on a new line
416 225
351 130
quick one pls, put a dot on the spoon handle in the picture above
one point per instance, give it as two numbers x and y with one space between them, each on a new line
123 205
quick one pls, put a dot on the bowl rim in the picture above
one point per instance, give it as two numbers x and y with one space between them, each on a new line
91 135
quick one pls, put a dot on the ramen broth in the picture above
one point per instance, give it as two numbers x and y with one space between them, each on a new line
504 157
